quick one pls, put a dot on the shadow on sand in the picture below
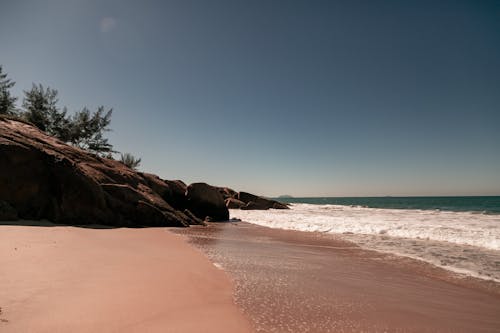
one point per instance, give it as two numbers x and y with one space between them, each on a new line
46 223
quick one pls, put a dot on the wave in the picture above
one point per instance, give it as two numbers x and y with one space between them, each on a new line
458 241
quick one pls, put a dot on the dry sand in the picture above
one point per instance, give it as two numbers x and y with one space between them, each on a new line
69 279
290 281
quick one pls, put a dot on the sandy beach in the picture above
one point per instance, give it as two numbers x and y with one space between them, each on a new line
70 279
249 166
292 281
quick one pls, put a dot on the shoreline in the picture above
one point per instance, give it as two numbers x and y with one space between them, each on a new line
455 274
462 242
72 279
294 281
225 277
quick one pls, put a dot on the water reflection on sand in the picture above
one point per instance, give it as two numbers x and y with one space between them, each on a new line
289 281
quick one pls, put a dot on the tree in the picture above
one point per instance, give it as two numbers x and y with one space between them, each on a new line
59 124
40 107
86 130
83 129
7 102
130 161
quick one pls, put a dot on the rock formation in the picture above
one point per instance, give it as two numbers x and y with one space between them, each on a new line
7 212
233 203
43 178
244 200
206 201
253 201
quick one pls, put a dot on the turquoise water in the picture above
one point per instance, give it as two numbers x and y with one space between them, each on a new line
484 204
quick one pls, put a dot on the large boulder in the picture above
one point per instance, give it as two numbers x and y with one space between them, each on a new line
44 178
7 212
205 201
177 198
227 192
254 202
172 191
247 197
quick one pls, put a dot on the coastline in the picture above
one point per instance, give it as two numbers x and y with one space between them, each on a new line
70 279
293 281
225 277
462 242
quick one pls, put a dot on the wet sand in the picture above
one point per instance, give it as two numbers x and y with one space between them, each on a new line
289 281
67 279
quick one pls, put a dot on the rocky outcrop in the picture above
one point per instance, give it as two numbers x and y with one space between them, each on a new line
43 178
172 191
7 212
195 219
253 201
227 192
245 200
233 203
205 201
178 194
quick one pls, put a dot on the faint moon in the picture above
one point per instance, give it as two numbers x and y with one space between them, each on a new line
107 24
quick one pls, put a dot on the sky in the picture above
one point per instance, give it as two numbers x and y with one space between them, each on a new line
304 98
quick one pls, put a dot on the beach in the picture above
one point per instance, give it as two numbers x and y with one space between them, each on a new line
249 166
292 281
70 279
225 277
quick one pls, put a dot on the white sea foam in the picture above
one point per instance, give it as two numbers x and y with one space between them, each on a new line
463 242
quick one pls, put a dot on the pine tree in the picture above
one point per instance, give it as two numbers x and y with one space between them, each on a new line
83 129
40 107
86 130
7 102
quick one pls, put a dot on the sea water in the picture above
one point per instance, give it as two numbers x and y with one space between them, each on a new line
461 234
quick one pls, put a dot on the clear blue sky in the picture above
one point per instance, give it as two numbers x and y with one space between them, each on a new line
308 98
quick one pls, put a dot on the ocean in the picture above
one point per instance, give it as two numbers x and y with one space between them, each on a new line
460 234
486 204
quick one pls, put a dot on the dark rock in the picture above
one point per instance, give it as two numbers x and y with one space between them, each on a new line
7 212
253 201
232 203
280 205
157 184
193 218
44 178
153 216
204 200
252 205
227 192
172 191
247 197
177 198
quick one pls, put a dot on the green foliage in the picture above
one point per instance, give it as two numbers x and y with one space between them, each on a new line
7 102
130 161
40 107
59 125
83 129
86 130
